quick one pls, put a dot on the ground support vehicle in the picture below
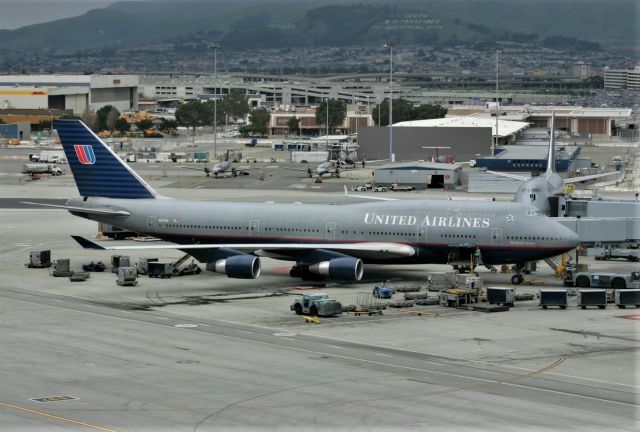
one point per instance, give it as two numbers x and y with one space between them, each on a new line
594 279
39 259
380 188
554 297
606 254
592 297
94 267
37 169
457 297
160 269
79 276
401 188
362 188
318 304
501 296
627 297
382 291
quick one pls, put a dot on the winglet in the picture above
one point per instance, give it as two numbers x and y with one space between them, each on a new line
87 244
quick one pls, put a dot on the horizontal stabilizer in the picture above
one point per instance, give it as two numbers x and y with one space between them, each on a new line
511 176
591 177
83 209
87 244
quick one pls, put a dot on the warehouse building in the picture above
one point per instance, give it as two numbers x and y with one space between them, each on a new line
421 175
68 92
529 158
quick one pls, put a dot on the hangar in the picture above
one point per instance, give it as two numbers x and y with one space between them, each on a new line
68 92
462 138
422 175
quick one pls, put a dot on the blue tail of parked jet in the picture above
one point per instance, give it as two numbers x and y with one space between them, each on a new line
97 170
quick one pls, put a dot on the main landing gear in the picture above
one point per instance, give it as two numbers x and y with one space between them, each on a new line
518 278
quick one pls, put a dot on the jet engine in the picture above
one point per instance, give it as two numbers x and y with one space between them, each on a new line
345 268
243 266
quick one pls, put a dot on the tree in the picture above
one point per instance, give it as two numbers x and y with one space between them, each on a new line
260 116
90 118
112 117
144 124
122 125
253 129
337 113
294 125
101 117
403 110
166 124
192 114
236 104
428 111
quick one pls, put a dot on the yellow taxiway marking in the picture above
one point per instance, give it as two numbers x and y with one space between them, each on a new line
64 419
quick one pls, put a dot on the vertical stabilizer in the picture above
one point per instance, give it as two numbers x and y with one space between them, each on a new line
551 158
97 170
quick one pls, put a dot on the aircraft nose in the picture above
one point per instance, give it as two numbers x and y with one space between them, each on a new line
570 239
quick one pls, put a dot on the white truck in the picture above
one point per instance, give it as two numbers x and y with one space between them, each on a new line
41 168
49 156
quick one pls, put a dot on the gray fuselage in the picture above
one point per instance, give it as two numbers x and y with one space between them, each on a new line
437 229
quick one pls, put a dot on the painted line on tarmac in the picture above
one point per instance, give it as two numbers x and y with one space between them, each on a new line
55 417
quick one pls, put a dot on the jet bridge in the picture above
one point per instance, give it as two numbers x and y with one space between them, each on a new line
600 221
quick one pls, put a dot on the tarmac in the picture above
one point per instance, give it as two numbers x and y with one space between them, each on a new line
206 352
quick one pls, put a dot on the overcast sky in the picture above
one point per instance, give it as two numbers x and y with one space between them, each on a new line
18 13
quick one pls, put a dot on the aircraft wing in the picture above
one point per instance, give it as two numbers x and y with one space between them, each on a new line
511 176
589 177
109 212
193 168
379 249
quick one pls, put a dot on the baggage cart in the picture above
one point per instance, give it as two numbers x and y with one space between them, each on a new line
554 297
501 296
592 297
627 297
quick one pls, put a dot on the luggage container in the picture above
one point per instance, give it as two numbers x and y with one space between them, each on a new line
39 259
627 297
160 269
143 265
127 276
501 296
554 297
61 268
592 297
118 261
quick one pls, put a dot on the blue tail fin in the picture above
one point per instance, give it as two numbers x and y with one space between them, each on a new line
97 170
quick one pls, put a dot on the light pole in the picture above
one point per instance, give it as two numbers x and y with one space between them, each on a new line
495 145
215 47
390 46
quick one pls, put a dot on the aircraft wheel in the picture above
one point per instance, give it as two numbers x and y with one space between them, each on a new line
517 279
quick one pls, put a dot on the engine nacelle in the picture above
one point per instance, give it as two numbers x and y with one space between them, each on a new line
243 266
346 268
